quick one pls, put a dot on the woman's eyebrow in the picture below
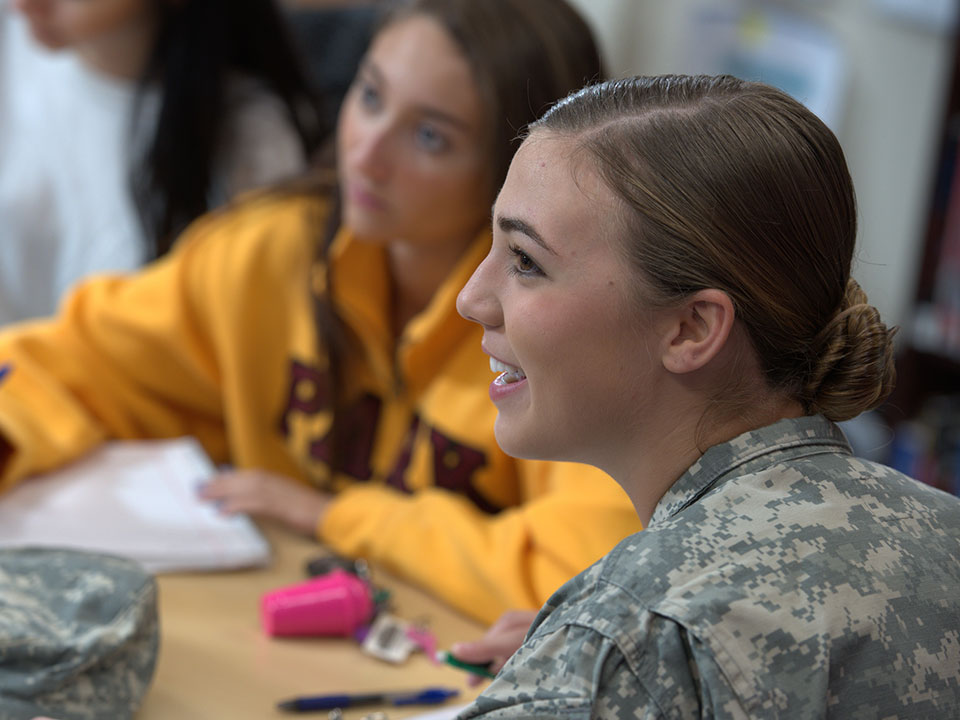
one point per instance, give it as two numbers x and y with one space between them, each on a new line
369 67
512 224
443 117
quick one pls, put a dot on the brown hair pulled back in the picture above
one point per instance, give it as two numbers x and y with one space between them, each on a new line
736 186
524 55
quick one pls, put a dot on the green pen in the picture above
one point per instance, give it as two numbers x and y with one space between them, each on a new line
444 656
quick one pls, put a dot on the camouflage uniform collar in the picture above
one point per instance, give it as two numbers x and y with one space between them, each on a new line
760 448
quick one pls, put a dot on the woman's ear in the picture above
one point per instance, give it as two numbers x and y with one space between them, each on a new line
698 331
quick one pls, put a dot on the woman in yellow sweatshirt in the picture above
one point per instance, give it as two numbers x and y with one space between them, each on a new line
331 368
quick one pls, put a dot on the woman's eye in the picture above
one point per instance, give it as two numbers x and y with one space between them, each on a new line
523 264
430 139
369 96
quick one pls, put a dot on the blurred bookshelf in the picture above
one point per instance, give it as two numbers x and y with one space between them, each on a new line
924 410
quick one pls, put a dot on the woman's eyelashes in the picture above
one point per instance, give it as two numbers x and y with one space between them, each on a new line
523 265
429 138
369 96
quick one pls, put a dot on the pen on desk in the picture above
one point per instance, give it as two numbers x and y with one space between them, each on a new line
444 656
427 696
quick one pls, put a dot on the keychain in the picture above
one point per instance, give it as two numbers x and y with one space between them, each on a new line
388 639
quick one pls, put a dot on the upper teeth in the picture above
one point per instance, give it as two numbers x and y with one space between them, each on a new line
499 367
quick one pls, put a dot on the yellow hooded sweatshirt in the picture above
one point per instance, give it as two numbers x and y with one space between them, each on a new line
218 340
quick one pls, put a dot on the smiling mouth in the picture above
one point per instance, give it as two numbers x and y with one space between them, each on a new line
508 373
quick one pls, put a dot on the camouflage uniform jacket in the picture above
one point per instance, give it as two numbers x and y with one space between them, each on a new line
780 577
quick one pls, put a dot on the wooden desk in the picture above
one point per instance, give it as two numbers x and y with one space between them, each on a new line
216 663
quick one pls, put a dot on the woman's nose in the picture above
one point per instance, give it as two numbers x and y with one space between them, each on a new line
372 153
477 300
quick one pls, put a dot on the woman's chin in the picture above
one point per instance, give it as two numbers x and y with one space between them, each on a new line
368 232
48 39
514 442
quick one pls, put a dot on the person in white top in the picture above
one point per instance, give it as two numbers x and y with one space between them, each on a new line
122 120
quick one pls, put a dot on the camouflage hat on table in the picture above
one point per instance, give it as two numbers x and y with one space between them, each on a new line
78 634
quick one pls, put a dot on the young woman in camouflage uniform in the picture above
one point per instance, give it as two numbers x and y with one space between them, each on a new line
668 297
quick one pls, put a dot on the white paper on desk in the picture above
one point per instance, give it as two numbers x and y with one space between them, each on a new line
447 713
135 499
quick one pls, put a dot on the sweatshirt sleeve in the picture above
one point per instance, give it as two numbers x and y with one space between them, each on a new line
128 356
480 563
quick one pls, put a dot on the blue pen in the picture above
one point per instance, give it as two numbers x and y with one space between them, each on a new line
428 696
4 369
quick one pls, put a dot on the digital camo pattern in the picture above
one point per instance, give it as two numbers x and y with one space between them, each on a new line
780 577
78 635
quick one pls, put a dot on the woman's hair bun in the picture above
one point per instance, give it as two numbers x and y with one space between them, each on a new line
852 362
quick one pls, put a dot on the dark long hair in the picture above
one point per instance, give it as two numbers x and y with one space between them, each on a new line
200 46
525 55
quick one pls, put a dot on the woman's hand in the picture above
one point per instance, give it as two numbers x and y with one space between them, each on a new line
503 638
267 495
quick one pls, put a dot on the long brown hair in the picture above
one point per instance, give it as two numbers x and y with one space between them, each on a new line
737 186
525 55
